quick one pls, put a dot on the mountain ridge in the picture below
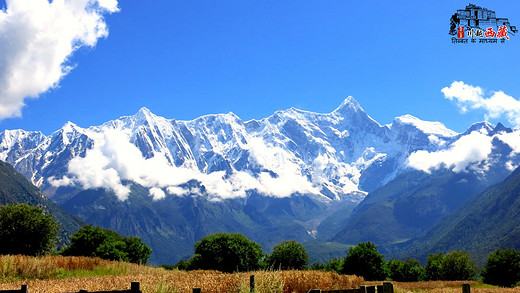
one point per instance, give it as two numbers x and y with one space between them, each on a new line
216 142
296 173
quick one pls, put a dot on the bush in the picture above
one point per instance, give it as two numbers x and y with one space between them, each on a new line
502 268
26 230
406 271
227 253
288 255
107 244
364 260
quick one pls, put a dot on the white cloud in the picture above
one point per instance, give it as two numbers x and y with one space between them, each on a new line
114 159
468 97
37 39
157 193
472 148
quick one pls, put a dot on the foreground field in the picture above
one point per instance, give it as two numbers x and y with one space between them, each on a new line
70 274
449 287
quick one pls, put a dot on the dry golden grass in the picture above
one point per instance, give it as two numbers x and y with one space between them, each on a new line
70 274
15 267
40 276
448 287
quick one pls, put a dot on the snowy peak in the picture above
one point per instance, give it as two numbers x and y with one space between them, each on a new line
18 139
144 115
349 104
69 127
427 127
483 127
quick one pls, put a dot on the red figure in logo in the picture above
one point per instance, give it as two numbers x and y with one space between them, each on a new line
502 32
460 34
490 33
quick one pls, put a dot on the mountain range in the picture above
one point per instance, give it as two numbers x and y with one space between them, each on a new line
312 177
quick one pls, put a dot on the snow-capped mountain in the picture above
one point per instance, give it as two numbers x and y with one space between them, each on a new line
293 175
333 156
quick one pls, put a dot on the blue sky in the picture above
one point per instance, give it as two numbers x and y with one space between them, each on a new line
183 59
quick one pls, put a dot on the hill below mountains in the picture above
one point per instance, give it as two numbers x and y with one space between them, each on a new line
486 222
413 202
294 175
15 188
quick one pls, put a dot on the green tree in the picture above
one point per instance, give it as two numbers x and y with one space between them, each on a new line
87 240
364 260
288 255
453 266
435 267
26 230
409 270
502 268
458 265
227 253
112 250
136 250
107 244
333 265
183 265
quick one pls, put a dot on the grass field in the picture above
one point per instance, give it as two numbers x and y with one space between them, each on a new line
449 287
70 274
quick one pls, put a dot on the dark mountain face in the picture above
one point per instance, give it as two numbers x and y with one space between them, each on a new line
171 226
486 222
409 205
15 188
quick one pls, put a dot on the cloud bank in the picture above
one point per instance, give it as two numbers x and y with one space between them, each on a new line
464 153
37 39
475 147
114 159
468 97
472 148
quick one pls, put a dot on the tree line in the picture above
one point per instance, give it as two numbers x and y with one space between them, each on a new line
235 253
29 230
